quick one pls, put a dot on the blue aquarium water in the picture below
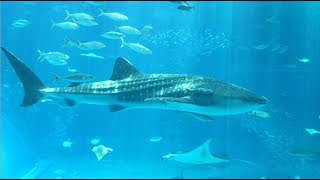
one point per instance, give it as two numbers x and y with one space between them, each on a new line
160 89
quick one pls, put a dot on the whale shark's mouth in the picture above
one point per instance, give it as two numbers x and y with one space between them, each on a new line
262 100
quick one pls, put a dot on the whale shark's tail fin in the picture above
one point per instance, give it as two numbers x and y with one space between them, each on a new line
31 83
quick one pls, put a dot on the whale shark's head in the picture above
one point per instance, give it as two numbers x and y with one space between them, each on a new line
214 97
243 99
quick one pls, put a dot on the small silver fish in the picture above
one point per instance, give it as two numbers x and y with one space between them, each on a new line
312 131
91 45
304 151
20 23
78 16
262 46
155 139
275 47
70 43
283 49
92 55
261 114
185 7
65 25
52 55
55 58
114 16
67 143
74 77
112 35
304 60
87 23
136 47
147 28
128 30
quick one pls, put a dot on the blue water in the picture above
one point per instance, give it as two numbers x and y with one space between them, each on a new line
256 45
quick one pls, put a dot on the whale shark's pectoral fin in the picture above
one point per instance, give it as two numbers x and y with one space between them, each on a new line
201 117
65 103
166 100
69 102
115 108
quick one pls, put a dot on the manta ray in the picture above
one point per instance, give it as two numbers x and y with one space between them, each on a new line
201 155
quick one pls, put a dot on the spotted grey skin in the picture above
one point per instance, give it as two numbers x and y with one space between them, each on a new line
129 88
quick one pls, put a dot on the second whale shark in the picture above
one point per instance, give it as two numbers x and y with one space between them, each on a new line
129 88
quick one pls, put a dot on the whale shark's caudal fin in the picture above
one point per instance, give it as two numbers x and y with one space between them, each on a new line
31 83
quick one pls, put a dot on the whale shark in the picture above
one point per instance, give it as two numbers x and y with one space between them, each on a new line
128 88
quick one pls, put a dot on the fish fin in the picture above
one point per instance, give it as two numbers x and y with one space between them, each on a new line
115 108
202 151
30 81
202 117
41 57
73 84
123 69
122 42
65 41
73 20
70 102
79 44
56 77
68 14
53 24
186 99
115 27
101 12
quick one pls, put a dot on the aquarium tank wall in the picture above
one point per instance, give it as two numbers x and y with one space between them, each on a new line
163 89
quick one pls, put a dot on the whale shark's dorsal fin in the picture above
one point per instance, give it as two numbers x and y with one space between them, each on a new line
123 69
